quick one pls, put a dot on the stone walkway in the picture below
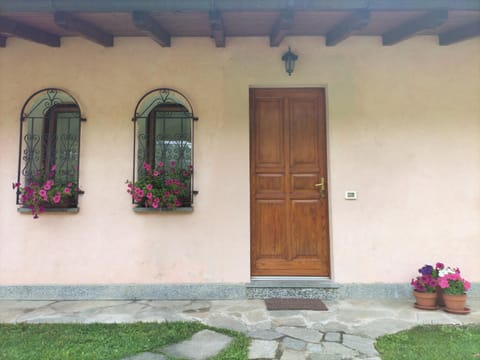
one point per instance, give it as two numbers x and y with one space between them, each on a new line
346 331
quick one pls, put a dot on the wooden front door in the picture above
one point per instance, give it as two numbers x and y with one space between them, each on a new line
288 181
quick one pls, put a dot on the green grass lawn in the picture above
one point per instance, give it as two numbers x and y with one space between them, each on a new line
432 342
102 341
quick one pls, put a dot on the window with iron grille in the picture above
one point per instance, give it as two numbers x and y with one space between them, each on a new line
49 158
163 148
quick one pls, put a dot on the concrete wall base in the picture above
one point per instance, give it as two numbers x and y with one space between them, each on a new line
208 292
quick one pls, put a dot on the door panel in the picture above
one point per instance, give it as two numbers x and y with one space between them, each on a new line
289 213
270 134
270 216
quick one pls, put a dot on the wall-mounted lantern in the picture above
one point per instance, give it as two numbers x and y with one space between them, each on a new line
289 58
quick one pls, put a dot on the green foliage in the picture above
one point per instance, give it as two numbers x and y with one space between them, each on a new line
164 187
432 342
102 341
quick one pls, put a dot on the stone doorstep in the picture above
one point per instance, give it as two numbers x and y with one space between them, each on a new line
308 284
323 289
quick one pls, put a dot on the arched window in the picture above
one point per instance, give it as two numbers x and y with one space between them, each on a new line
48 164
163 148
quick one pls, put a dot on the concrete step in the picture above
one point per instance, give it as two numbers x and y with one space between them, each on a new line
323 289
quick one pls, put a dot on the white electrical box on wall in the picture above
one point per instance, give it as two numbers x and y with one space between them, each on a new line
350 195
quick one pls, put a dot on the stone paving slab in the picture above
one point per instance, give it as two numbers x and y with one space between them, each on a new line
360 344
202 345
262 349
294 344
307 335
293 355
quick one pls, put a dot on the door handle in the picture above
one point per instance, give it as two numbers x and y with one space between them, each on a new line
321 187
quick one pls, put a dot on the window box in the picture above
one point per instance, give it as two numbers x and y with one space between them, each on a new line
139 209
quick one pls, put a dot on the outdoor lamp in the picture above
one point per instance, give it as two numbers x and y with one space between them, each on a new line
289 57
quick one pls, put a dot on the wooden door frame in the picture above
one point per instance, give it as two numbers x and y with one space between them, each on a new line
327 176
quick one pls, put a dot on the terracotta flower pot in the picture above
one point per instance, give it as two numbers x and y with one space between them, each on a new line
455 303
425 300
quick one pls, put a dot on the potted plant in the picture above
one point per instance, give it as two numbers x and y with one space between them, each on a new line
162 187
43 191
455 289
424 288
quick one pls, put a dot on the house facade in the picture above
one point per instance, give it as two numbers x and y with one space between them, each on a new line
354 171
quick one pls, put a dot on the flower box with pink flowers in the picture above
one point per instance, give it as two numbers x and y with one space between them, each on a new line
162 187
45 192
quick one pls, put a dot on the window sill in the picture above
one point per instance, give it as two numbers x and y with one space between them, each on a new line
25 210
175 210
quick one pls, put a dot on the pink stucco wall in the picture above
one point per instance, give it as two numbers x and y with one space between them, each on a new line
403 131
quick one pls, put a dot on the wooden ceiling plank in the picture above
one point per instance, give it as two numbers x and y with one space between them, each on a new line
89 31
28 32
459 34
3 41
229 5
217 28
430 20
146 23
357 21
282 26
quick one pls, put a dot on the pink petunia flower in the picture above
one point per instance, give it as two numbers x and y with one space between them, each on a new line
466 285
57 197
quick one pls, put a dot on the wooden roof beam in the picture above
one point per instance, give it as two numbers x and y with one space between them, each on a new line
430 20
3 41
27 32
87 30
217 28
459 34
146 23
282 26
357 21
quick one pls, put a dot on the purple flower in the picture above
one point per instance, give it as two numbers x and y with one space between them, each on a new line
426 270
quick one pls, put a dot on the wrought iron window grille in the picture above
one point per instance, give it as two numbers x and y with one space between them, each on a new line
49 137
164 133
